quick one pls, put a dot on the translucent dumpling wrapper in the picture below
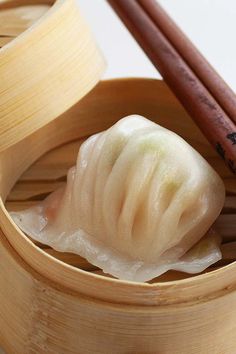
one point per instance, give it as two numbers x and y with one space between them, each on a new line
139 202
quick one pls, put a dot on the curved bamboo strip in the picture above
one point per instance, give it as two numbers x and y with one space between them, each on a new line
46 69
72 310
14 21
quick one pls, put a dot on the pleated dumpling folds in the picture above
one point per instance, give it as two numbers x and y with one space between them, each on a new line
139 201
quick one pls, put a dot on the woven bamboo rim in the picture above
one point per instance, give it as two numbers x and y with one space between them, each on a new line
117 98
46 69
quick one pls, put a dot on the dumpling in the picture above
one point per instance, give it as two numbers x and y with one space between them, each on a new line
138 199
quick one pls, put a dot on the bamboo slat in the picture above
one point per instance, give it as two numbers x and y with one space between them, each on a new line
226 226
230 205
20 205
72 259
33 191
229 252
14 21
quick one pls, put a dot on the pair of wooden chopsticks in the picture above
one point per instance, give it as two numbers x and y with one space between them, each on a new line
203 93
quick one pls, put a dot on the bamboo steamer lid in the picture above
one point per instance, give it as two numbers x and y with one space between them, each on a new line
52 62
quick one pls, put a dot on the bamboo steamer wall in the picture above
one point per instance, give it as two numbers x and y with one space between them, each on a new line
59 303
47 68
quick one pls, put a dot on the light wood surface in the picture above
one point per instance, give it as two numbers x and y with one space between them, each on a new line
51 64
76 309
16 20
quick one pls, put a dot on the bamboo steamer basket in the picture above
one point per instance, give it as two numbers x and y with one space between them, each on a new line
59 303
47 68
